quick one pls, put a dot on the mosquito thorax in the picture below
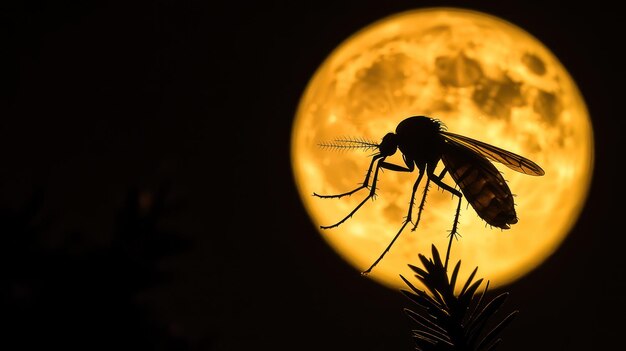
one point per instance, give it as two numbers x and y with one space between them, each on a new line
418 138
419 126
389 145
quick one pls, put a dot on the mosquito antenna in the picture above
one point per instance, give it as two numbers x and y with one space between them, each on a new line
349 143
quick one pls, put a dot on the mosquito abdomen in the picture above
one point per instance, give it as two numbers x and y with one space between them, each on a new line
486 190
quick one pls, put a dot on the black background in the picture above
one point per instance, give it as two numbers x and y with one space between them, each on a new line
102 97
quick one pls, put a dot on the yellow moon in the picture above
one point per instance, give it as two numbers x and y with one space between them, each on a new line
484 78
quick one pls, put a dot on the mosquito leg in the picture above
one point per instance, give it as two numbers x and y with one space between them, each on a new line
443 185
457 193
371 194
442 174
412 202
408 217
363 186
386 250
453 233
422 203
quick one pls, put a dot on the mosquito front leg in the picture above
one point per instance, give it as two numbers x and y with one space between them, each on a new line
370 195
363 186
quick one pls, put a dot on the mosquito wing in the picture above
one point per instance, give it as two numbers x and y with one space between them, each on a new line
493 153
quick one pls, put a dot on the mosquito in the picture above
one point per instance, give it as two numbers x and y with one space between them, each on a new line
423 142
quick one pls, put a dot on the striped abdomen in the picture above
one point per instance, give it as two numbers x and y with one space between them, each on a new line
482 185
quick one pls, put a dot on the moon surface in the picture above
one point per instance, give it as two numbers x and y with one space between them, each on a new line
483 77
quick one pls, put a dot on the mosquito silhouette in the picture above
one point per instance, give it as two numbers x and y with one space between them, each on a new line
423 142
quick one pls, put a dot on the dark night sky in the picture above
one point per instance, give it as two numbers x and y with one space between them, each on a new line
100 97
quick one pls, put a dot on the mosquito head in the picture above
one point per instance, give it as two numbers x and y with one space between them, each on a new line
389 145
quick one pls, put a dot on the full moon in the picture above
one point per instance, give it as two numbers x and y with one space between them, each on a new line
484 78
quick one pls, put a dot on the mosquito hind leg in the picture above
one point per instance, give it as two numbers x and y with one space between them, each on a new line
453 232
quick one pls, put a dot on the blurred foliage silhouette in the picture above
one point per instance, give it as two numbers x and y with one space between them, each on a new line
450 321
87 298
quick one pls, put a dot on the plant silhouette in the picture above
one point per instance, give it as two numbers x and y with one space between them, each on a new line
449 321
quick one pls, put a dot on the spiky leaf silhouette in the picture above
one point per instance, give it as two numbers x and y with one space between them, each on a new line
452 322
